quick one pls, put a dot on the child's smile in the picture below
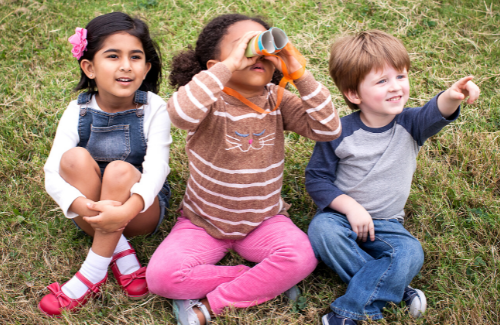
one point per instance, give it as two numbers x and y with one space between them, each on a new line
125 81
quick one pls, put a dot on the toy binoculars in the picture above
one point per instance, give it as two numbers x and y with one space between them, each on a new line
269 42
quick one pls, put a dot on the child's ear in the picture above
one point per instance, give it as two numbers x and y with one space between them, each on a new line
211 63
88 68
353 97
148 67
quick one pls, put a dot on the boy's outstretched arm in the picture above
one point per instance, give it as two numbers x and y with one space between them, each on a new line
449 101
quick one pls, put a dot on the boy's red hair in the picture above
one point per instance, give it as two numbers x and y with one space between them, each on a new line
353 57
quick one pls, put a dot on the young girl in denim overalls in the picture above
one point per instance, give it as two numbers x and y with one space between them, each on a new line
109 161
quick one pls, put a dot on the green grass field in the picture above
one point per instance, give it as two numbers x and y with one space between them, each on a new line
453 208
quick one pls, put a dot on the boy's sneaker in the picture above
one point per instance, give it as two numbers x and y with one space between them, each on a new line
416 301
334 319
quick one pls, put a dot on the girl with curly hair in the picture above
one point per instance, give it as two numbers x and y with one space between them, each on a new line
236 115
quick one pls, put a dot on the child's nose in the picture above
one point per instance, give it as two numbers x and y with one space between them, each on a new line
394 86
125 65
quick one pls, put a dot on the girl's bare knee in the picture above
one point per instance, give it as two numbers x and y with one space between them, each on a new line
120 172
75 159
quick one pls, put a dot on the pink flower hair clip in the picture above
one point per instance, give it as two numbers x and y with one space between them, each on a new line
79 42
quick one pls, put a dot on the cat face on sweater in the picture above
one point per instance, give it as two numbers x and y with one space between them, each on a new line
245 141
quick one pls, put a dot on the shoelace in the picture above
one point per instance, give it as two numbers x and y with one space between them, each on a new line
409 295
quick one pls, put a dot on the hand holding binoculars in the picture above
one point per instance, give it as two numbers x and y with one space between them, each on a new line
269 43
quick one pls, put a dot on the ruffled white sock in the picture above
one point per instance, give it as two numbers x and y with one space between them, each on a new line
127 264
94 269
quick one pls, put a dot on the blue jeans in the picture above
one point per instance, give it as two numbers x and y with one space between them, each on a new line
376 272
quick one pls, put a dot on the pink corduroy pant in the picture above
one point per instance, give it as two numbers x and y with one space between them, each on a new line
183 266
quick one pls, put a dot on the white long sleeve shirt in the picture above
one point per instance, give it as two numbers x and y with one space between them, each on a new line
155 165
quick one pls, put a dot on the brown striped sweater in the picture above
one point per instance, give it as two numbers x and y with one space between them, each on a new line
236 155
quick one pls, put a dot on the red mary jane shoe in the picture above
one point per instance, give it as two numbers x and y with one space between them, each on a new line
134 284
56 301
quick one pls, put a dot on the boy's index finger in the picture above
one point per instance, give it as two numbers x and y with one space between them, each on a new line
474 92
462 82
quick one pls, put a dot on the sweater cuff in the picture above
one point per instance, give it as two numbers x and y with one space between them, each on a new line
306 84
453 116
325 201
148 201
74 194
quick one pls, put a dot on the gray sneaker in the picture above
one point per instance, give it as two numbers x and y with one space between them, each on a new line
183 310
293 293
416 301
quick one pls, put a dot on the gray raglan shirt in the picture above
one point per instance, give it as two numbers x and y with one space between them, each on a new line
374 166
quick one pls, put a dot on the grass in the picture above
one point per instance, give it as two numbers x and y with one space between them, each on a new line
453 208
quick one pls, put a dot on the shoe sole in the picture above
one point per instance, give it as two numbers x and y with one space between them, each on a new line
139 297
324 320
176 313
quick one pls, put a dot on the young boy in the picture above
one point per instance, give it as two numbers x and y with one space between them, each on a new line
361 180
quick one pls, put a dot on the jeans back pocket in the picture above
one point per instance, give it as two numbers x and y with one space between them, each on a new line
109 143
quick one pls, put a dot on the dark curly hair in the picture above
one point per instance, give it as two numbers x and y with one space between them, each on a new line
187 64
99 28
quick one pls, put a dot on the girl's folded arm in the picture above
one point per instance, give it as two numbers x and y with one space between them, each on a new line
313 115
155 165
66 138
191 103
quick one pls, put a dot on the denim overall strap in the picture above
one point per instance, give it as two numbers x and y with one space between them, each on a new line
141 97
113 136
84 98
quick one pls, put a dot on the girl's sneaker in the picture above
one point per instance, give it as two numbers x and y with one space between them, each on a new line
416 301
293 294
183 310
334 319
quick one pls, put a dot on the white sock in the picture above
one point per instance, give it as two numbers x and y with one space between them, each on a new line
94 269
127 264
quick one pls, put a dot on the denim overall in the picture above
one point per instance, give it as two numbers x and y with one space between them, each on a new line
117 136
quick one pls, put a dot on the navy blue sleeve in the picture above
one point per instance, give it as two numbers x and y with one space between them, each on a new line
321 173
424 122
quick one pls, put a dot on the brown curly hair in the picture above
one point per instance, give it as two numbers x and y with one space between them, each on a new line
190 62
